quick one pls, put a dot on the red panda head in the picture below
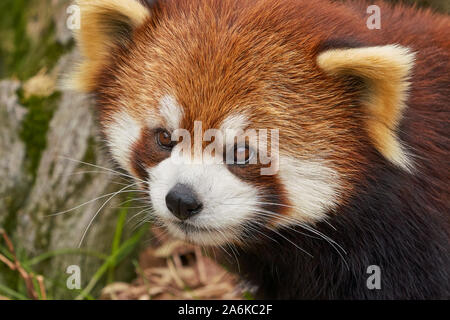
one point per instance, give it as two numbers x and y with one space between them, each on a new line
233 114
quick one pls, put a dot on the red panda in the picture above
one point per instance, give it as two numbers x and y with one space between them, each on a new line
361 119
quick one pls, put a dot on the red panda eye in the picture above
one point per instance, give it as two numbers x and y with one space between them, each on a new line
243 154
164 139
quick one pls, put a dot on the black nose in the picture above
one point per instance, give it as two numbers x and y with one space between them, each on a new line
182 202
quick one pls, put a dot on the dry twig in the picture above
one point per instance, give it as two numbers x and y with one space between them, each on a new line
15 265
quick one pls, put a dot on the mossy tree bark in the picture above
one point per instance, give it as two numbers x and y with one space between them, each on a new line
41 128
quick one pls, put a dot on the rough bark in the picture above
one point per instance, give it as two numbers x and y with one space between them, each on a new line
58 183
38 180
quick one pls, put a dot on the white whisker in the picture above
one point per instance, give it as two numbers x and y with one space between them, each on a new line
103 168
88 202
98 211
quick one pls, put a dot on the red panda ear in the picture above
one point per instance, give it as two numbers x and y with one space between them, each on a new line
385 70
104 25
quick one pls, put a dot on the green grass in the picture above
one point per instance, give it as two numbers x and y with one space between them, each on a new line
15 288
120 225
4 290
113 260
55 253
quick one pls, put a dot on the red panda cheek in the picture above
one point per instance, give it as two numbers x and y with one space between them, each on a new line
272 200
121 131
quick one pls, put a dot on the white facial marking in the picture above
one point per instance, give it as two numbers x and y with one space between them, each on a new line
171 112
227 200
123 131
233 124
311 185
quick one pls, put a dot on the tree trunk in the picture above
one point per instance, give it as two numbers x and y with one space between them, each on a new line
41 128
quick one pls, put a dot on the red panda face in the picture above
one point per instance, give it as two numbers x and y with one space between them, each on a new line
226 116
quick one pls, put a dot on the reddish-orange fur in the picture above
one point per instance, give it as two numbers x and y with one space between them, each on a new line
259 58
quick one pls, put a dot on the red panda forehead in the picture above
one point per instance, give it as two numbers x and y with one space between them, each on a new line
235 59
174 113
211 56
216 58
